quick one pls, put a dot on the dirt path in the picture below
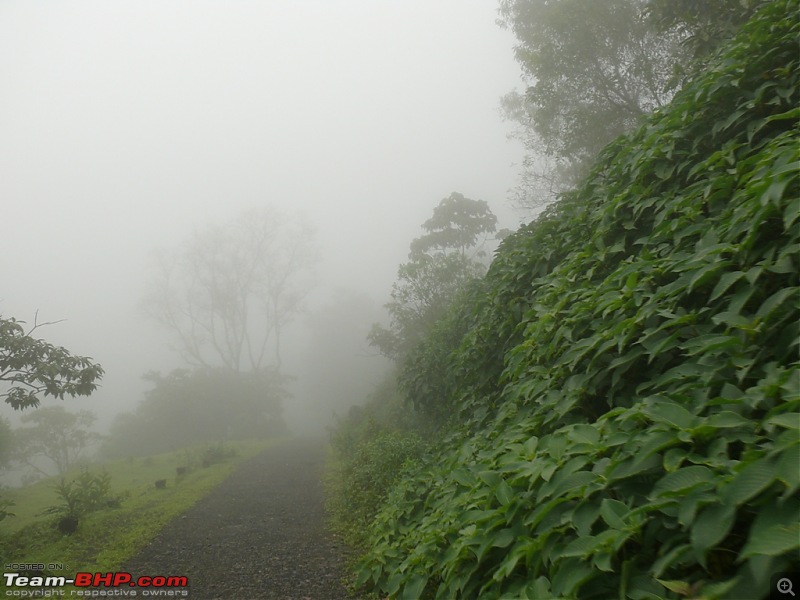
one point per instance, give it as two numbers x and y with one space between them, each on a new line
260 534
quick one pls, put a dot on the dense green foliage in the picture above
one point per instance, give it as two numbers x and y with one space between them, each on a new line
626 377
372 446
705 23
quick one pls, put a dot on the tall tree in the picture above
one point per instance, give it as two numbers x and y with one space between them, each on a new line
593 70
228 292
34 368
458 225
441 263
56 435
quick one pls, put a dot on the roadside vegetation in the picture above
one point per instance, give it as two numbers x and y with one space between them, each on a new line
117 507
613 410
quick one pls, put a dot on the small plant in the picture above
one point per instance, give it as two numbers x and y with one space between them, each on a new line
86 493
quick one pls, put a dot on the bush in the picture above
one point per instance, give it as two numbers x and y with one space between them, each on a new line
372 446
360 484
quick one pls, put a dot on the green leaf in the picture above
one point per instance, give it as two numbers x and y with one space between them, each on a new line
584 517
463 477
787 420
682 480
788 468
504 538
774 301
570 575
671 558
710 527
413 590
633 466
724 283
580 547
773 541
682 588
731 319
749 481
530 446
504 493
673 458
671 413
727 418
574 483
490 478
613 512
584 434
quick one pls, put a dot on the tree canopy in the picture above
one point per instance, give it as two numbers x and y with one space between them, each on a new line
56 435
594 70
457 225
36 369
440 265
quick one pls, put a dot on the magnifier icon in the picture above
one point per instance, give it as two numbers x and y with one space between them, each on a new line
785 586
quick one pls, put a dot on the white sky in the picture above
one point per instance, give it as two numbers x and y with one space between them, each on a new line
125 125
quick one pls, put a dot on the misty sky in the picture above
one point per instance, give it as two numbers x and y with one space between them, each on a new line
125 126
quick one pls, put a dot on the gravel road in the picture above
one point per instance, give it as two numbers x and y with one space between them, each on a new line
260 535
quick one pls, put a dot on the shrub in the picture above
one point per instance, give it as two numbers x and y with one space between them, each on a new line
371 447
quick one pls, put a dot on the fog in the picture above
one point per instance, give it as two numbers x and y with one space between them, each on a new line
126 126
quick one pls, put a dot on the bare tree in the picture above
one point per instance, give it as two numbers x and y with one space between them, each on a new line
228 292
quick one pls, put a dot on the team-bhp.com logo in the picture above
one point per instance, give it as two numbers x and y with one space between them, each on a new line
121 581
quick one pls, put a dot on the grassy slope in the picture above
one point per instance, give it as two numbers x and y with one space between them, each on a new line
107 538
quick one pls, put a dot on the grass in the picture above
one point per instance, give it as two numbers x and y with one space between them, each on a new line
106 539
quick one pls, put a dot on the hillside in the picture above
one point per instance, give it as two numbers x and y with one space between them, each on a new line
625 379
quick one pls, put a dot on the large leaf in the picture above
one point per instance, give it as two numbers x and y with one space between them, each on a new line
773 541
683 480
710 527
749 481
413 589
